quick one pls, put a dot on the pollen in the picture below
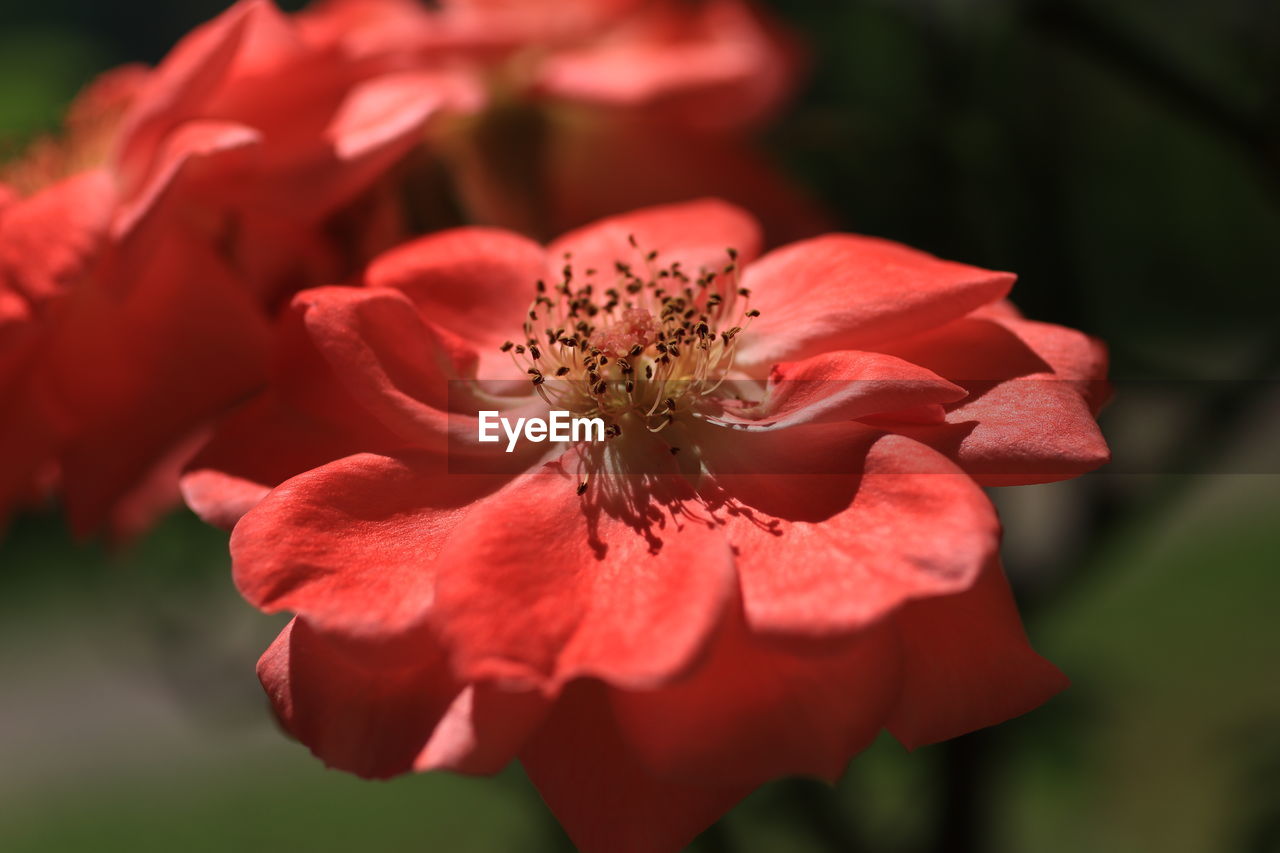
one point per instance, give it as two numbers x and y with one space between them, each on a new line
637 344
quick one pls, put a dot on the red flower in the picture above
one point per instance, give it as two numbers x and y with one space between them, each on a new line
594 106
652 633
143 254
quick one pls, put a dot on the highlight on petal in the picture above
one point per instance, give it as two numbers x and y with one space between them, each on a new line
844 291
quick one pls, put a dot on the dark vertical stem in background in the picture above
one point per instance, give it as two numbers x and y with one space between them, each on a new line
965 816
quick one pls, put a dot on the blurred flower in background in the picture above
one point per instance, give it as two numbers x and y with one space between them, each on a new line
147 248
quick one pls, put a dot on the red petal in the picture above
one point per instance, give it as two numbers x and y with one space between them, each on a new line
697 234
842 386
384 356
352 546
144 360
754 711
620 162
258 448
716 64
877 522
843 291
482 731
362 710
192 152
604 797
474 285
967 663
1034 391
542 585
185 81
50 241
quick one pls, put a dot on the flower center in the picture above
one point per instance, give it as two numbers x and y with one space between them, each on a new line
637 347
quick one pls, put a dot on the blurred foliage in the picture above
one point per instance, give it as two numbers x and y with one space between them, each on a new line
1123 158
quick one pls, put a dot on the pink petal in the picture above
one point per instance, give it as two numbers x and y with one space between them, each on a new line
177 339
842 386
843 291
755 710
185 82
193 152
967 663
603 796
543 585
1034 392
353 546
482 731
474 285
260 446
621 162
840 527
50 241
384 356
716 64
367 711
696 233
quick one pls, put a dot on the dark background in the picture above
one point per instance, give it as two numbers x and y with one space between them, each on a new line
1123 158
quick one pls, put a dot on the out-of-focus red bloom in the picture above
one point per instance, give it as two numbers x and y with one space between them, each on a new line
784 550
143 253
593 106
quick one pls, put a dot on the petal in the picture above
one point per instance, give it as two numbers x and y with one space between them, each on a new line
621 161
483 730
474 285
193 152
144 358
602 795
50 241
382 119
716 64
698 234
384 356
755 710
367 711
256 449
842 386
844 291
185 82
1034 391
845 526
967 663
353 546
543 585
